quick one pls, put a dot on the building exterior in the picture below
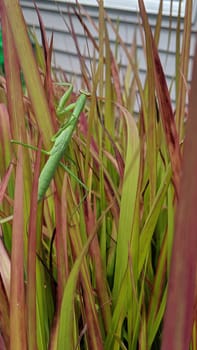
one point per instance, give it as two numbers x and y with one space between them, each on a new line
56 16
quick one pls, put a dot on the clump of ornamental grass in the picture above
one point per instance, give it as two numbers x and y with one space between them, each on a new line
95 264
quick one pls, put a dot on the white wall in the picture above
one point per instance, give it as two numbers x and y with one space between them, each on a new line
55 14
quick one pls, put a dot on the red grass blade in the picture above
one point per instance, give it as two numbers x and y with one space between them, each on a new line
27 62
165 107
4 182
48 78
31 265
182 282
17 292
4 318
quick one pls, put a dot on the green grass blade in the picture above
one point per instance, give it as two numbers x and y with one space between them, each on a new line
127 205
119 313
66 313
158 297
150 224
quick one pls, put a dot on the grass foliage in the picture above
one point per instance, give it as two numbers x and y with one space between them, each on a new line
94 266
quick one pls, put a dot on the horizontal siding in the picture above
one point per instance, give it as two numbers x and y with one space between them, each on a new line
65 55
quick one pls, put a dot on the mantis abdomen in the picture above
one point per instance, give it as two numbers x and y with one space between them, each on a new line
47 174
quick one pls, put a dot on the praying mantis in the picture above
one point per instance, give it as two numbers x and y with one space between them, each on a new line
61 139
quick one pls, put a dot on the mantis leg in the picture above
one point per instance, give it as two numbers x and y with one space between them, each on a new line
61 109
34 148
61 106
73 175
